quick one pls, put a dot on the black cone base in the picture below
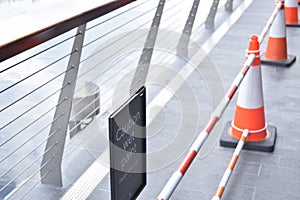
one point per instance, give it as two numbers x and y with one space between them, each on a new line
265 146
293 25
284 63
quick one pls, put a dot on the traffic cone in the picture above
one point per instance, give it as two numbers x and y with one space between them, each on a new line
291 13
249 112
276 53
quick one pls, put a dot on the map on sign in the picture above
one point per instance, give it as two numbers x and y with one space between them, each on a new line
127 135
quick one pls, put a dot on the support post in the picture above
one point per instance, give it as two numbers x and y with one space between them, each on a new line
182 47
210 20
52 159
228 5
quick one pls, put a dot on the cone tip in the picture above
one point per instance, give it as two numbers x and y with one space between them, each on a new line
254 37
253 45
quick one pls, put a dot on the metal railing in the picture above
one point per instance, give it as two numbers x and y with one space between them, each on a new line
52 63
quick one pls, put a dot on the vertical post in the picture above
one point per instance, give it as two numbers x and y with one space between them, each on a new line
210 20
145 59
52 158
228 5
182 47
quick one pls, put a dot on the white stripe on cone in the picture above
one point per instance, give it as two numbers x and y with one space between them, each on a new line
278 27
250 94
290 3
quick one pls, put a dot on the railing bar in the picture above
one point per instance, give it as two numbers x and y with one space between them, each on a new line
95 66
26 95
37 182
120 49
36 72
25 156
26 181
123 24
102 94
14 65
86 106
17 148
31 123
105 82
39 103
116 15
172 7
26 168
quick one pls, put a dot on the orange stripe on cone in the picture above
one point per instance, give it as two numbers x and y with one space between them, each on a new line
276 49
291 13
252 119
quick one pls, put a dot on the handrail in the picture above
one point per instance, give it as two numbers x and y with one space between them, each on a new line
32 29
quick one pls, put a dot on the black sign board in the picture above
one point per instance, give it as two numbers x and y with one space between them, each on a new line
127 135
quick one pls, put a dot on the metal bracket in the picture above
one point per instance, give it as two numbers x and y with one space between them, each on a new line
210 20
228 5
182 47
52 158
145 59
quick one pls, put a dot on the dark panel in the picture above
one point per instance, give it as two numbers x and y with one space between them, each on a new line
127 134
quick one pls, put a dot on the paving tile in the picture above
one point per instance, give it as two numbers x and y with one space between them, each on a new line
247 168
235 191
279 173
274 195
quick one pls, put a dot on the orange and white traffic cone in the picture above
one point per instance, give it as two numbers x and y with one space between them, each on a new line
291 13
250 112
276 53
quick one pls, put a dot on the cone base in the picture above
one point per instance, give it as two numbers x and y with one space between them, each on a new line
267 145
284 63
293 25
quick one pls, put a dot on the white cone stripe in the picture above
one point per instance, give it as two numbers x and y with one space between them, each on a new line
199 141
250 94
291 3
278 28
169 187
225 178
215 198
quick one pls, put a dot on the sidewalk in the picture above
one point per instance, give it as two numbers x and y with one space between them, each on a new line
257 175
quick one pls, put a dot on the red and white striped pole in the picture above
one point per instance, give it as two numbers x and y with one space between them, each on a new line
194 149
231 166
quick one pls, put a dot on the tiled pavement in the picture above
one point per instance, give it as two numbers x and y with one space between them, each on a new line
257 175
